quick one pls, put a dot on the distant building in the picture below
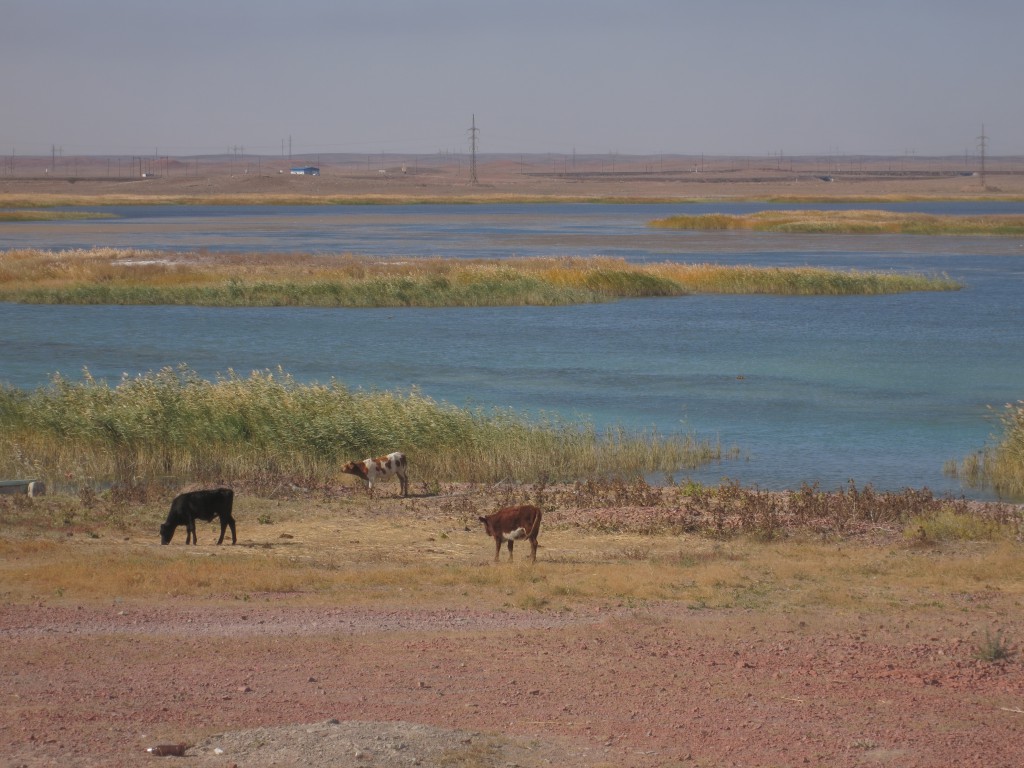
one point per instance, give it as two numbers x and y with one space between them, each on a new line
309 170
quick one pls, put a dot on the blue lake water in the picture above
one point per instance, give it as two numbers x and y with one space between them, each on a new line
875 389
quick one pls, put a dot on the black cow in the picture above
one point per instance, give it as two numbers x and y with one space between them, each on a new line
199 505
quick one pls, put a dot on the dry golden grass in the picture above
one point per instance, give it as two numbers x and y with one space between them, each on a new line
431 551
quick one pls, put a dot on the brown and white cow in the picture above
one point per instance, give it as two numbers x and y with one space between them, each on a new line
511 524
382 467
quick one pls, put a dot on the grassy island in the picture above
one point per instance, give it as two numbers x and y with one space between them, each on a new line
45 214
863 222
115 276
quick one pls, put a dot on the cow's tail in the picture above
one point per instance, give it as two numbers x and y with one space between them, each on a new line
536 524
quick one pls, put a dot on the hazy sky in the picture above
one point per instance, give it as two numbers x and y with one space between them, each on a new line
752 77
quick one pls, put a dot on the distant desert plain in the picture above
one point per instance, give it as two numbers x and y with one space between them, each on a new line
398 178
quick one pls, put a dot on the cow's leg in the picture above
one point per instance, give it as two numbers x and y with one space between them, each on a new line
190 530
533 549
510 543
226 521
404 480
497 547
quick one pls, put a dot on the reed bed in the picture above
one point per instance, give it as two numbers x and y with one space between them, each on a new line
1000 466
849 222
268 431
115 276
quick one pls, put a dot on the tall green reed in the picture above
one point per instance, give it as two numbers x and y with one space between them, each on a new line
999 466
267 429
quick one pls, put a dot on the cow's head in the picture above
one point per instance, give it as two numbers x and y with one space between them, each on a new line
166 533
357 468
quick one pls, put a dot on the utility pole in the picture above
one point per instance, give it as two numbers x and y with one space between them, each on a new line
473 131
982 142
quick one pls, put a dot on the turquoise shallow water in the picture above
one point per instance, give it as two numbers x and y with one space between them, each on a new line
875 389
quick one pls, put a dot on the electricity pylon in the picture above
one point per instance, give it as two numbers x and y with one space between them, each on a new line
473 131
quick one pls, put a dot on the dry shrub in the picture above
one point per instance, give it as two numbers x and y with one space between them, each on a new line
731 510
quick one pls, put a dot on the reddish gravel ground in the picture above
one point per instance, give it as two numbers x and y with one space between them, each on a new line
278 683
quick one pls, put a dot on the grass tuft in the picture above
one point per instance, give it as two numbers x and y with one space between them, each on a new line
993 648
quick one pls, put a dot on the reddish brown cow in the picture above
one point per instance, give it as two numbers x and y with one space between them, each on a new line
510 525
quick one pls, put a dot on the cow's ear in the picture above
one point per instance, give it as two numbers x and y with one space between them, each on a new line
483 519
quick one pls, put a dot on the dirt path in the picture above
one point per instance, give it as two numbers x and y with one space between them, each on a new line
275 683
